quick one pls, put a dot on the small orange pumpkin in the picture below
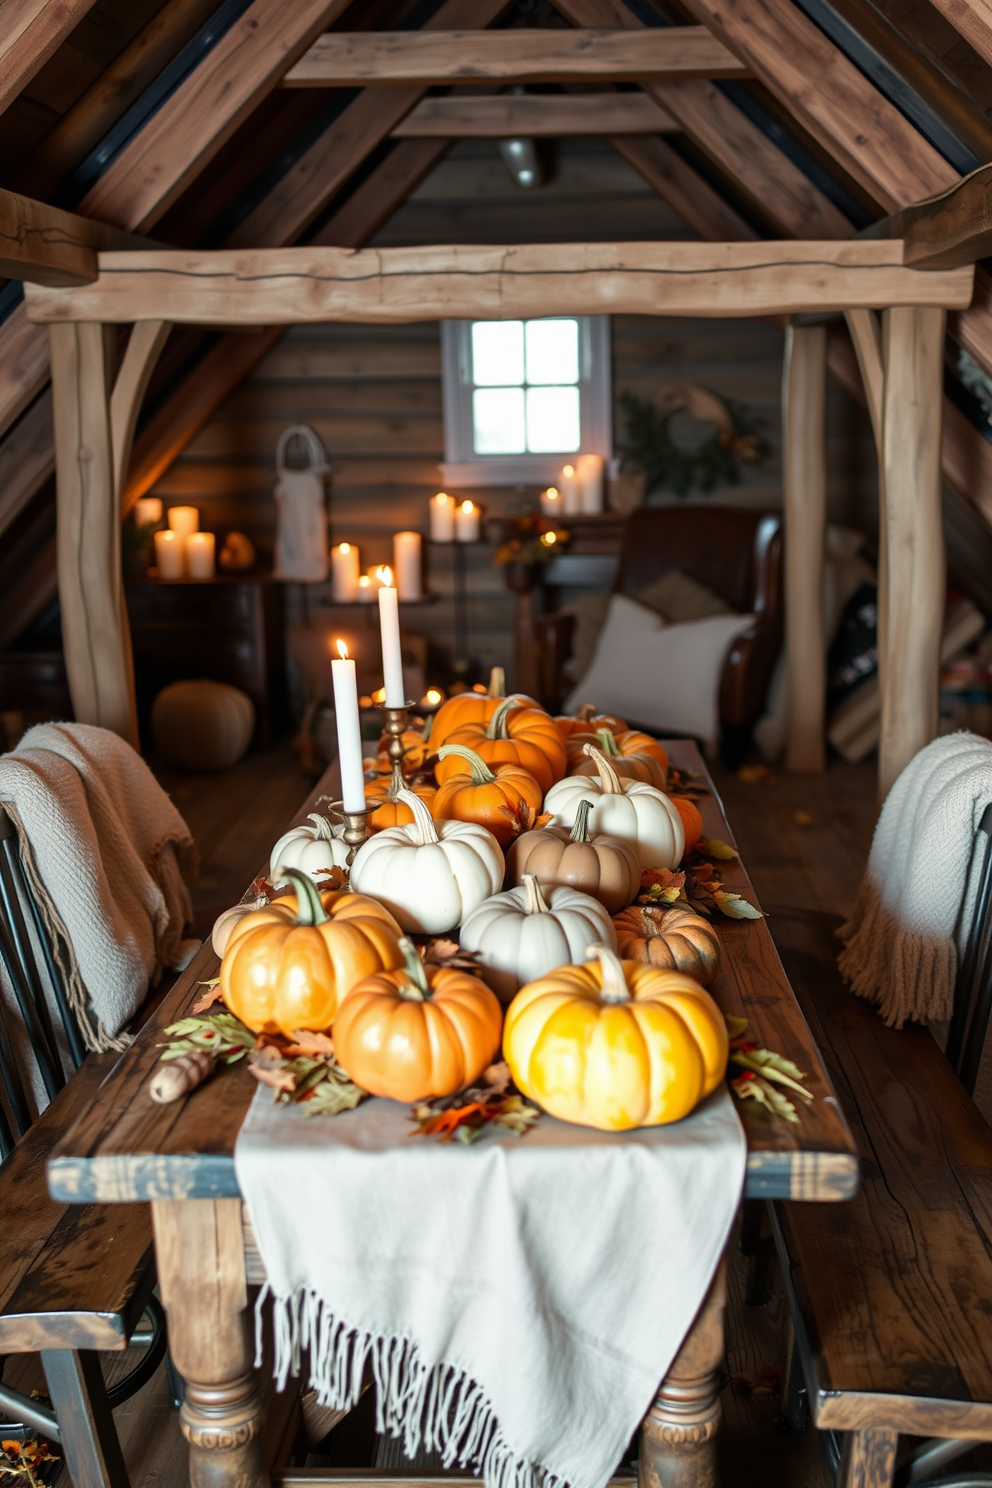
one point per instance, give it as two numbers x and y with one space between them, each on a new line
588 721
516 734
500 798
630 762
384 808
417 1032
415 751
692 822
677 939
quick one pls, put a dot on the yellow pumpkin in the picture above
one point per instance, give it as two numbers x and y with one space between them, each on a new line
292 964
615 1044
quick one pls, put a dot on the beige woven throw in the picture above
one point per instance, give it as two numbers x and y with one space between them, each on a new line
915 904
104 851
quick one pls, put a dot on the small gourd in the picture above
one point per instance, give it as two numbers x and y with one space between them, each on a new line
499 798
520 935
676 938
636 813
602 866
316 850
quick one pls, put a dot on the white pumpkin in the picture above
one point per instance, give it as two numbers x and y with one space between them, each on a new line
636 813
314 850
226 921
520 936
430 874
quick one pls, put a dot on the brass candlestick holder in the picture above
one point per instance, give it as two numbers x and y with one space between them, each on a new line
355 832
396 722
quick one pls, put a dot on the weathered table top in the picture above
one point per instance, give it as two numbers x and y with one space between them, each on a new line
126 1148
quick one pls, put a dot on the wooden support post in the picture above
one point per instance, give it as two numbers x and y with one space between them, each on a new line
805 479
913 539
678 1434
866 335
91 593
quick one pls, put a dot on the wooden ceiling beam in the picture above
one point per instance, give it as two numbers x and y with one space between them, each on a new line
45 245
350 59
31 30
291 286
684 189
535 115
972 19
953 227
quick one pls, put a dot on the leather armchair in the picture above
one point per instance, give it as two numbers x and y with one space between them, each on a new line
736 553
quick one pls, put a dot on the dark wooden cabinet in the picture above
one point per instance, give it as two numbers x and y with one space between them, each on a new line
229 629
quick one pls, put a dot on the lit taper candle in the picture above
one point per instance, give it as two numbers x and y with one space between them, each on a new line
349 731
392 653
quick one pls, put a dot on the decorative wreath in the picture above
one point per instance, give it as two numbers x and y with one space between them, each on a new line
647 446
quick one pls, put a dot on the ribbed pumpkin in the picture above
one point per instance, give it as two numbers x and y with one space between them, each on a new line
515 734
615 1044
496 797
692 821
418 1032
588 721
596 864
316 849
416 751
676 938
385 809
637 813
291 964
634 756
519 934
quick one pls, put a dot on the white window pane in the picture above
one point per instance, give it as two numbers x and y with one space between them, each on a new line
553 420
497 353
498 421
552 350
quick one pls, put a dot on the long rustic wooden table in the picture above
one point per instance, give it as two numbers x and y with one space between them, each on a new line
180 1158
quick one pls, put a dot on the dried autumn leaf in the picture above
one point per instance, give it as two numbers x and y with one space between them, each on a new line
736 1027
208 997
717 849
331 1097
268 1066
440 951
496 1077
772 1066
735 907
331 878
662 878
306 1041
766 1095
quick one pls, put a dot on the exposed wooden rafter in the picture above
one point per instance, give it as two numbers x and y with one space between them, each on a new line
535 114
48 246
953 227
30 31
349 59
684 189
973 19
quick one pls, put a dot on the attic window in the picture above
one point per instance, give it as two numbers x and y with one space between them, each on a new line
520 396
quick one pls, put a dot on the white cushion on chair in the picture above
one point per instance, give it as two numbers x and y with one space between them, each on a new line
666 677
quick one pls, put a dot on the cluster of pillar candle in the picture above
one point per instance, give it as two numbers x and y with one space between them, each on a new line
344 678
349 584
453 520
579 491
182 551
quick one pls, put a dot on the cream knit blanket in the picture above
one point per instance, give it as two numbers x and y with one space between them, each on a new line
914 908
104 851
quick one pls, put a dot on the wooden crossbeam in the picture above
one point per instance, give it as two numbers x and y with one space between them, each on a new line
30 31
555 116
351 59
290 286
954 227
48 246
973 19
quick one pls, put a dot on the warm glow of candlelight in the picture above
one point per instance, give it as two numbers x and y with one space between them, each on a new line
468 507
342 650
552 493
442 498
379 696
345 548
433 696
548 539
385 575
568 470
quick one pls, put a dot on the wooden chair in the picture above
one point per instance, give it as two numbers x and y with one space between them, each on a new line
72 1280
736 553
891 1294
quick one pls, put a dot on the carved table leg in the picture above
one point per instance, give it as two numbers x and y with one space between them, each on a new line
199 1247
868 1459
678 1434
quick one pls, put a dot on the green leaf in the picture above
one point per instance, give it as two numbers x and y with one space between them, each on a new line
735 907
712 847
736 1027
766 1095
332 1096
763 1062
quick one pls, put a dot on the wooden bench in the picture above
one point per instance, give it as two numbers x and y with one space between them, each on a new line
891 1293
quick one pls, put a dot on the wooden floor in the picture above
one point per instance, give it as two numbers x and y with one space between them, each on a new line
805 841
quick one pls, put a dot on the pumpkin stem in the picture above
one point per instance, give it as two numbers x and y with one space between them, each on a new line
608 743
533 898
497 682
309 910
417 989
580 827
615 987
586 712
428 725
497 724
609 779
396 781
422 820
481 773
321 827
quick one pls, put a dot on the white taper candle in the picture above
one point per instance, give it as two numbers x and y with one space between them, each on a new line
392 652
349 731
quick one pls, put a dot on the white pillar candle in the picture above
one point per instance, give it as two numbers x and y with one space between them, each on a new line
392 651
200 555
590 473
468 520
443 517
170 555
345 573
571 490
551 503
184 520
349 731
148 511
406 565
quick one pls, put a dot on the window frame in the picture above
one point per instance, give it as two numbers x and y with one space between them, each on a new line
463 467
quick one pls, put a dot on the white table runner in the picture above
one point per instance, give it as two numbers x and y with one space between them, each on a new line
519 1300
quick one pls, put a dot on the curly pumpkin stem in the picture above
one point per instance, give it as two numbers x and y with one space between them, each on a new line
608 743
417 989
580 827
586 712
497 728
533 898
396 782
309 910
481 773
615 987
609 779
321 827
422 819
497 682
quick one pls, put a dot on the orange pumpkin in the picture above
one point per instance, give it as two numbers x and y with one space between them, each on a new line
415 751
629 760
418 1032
675 938
692 822
588 721
498 799
384 808
516 734
292 964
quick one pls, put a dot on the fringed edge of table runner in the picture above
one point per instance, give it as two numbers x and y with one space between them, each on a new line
437 1407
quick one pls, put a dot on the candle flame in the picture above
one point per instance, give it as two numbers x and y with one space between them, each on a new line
385 575
379 696
345 548
548 539
568 470
433 696
468 507
342 650
364 581
442 498
552 493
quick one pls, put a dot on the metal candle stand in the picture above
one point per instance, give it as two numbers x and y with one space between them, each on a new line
356 830
396 722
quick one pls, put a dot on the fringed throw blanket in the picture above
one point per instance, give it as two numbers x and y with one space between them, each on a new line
915 904
518 1301
104 852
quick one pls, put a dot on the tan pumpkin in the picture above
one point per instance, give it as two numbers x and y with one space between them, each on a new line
202 725
642 758
675 938
602 866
